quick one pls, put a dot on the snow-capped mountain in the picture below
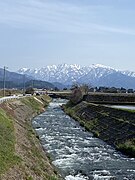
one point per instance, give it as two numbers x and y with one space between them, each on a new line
96 75
62 73
129 73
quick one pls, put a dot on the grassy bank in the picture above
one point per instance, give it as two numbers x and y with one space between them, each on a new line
114 126
21 155
8 158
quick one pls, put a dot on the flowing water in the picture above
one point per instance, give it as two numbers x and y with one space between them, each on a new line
76 153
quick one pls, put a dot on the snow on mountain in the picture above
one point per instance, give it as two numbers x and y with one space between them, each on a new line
129 73
62 73
95 74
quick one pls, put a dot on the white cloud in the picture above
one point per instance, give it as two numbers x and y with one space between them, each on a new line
55 17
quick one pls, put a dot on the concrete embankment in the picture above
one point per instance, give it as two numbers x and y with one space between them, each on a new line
21 155
115 126
110 98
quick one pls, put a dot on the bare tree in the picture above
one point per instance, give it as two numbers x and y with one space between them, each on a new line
78 92
76 96
85 89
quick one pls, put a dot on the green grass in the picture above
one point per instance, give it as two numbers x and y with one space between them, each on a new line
7 143
128 110
40 166
45 98
29 178
88 125
36 105
9 159
128 147
53 178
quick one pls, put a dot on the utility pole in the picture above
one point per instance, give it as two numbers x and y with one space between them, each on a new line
24 84
33 83
4 78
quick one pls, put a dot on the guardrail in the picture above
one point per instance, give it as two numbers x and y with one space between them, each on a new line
7 98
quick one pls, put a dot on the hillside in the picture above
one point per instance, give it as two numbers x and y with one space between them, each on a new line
21 155
13 76
16 80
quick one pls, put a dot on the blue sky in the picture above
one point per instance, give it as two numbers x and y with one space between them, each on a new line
36 33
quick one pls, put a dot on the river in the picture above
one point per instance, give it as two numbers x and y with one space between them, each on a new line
75 152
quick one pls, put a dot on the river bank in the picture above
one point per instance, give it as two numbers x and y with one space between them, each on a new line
21 155
114 126
76 153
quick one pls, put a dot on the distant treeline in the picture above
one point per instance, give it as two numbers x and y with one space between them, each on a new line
32 83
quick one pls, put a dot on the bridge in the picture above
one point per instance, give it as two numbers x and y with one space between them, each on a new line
59 94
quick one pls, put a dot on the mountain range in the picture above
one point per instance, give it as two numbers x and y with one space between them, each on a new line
16 80
94 75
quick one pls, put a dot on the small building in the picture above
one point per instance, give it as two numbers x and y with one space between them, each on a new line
130 91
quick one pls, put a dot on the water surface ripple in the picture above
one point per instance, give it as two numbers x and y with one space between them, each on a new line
76 153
